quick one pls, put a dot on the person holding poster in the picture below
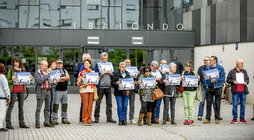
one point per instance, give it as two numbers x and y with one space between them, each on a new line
239 79
122 96
146 99
104 88
87 92
214 89
17 92
189 95
170 92
4 96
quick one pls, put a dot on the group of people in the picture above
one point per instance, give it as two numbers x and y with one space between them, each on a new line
53 93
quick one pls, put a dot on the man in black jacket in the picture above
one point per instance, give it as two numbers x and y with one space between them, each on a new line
239 79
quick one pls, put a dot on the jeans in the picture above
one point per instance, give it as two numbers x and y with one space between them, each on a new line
122 104
157 108
44 97
235 97
202 103
172 101
210 94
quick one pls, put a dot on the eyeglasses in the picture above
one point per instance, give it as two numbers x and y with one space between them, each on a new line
147 71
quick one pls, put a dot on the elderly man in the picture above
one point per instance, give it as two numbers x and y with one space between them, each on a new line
42 89
239 79
104 88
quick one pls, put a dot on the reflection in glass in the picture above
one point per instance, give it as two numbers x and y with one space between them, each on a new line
91 14
9 14
49 14
28 2
70 17
28 16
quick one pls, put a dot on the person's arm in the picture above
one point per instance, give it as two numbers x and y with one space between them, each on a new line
230 77
38 79
222 74
246 78
66 78
9 77
6 88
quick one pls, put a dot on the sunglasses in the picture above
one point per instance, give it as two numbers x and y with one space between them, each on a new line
147 71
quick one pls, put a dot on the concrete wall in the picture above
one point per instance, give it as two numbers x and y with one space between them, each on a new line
228 57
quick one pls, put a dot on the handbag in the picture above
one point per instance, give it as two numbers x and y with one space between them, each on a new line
180 89
158 94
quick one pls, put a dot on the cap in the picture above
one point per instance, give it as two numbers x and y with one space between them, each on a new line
59 61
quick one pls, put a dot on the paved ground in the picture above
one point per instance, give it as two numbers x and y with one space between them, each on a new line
103 130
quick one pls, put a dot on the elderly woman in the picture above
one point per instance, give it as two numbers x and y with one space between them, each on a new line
122 96
170 92
4 95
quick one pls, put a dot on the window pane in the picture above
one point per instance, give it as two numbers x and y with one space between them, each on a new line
9 14
111 18
28 16
70 17
49 14
6 56
29 2
131 13
70 2
91 14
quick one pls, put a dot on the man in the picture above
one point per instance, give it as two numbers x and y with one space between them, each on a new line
61 95
42 89
239 79
104 88
179 65
131 97
214 89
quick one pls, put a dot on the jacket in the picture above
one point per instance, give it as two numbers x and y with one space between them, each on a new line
9 78
219 83
39 79
117 76
232 77
4 88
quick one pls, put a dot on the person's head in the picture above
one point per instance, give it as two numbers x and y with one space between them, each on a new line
147 71
2 68
175 58
87 64
163 62
122 66
44 65
104 57
213 60
127 62
154 65
52 64
206 60
16 62
239 63
86 56
59 63
172 67
189 66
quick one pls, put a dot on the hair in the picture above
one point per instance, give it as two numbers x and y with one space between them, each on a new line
88 61
163 61
16 59
171 64
175 58
146 69
215 58
2 68
85 55
104 54
122 63
50 62
189 64
126 60
154 63
207 57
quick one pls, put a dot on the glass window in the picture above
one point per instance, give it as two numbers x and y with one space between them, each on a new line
9 14
70 17
91 14
131 14
29 2
49 14
116 56
6 56
70 2
28 16
47 53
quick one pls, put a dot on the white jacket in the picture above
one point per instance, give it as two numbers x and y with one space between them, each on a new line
4 87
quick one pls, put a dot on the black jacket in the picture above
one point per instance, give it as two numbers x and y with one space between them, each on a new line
116 77
232 77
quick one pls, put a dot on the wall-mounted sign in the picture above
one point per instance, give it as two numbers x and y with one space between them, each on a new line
93 40
137 40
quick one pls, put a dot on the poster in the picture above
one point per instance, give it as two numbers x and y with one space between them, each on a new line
106 67
132 70
22 78
147 83
190 81
126 84
173 79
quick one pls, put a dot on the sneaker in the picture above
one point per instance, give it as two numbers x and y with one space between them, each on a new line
3 130
243 121
133 121
111 121
37 125
65 122
206 122
190 122
217 121
234 121
220 119
96 120
200 118
125 122
252 119
54 123
186 122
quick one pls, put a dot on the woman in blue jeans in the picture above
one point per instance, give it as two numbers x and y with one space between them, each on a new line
122 96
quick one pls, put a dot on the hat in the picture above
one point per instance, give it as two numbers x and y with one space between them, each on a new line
59 61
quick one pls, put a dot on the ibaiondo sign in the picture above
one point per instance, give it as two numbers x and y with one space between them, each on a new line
135 26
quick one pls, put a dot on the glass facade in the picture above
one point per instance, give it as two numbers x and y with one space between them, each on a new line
91 14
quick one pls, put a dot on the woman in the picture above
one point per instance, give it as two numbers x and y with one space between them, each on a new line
189 95
146 100
17 91
122 96
4 95
170 92
87 92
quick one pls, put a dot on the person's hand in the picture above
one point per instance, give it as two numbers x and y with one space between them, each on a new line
102 73
31 77
54 82
110 73
165 81
138 82
245 83
213 80
198 78
235 82
118 83
14 78
8 100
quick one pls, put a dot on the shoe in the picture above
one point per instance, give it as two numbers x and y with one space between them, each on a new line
234 121
96 120
9 127
200 118
220 119
23 126
168 119
48 125
37 125
252 119
164 122
217 121
3 130
120 122
190 122
206 122
186 122
125 122
133 121
54 123
65 122
111 121
173 122
243 121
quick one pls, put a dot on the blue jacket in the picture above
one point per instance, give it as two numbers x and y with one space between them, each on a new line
219 83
